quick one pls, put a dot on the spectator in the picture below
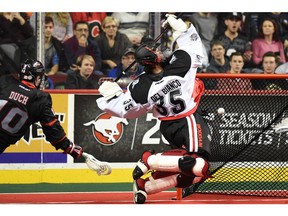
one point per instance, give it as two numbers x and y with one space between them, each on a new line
282 23
269 64
134 24
83 77
55 60
112 43
206 26
94 19
80 44
127 59
63 26
233 40
219 63
268 40
221 17
236 66
17 39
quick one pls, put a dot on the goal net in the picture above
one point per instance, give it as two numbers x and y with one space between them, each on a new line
248 156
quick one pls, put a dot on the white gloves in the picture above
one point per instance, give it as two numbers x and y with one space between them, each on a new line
110 89
178 25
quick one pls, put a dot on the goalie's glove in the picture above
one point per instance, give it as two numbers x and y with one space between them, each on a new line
110 89
74 150
178 25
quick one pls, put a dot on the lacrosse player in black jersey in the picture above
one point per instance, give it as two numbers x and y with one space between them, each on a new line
22 103
169 88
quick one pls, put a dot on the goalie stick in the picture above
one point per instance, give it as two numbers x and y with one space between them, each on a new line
101 167
155 40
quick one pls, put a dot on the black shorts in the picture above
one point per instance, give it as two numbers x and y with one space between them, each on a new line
178 133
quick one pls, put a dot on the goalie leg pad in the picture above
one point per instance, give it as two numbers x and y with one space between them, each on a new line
163 181
164 163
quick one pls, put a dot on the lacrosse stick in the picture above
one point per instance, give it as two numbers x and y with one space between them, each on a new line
102 168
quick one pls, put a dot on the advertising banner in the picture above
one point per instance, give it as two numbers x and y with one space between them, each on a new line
114 139
124 140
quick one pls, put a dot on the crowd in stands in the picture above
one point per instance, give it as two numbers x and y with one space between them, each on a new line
83 47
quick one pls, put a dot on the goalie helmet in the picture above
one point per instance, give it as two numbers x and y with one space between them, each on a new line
146 55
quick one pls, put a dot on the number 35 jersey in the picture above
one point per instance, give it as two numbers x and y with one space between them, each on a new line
172 94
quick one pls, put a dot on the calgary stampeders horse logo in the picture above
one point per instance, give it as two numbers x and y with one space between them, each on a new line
107 129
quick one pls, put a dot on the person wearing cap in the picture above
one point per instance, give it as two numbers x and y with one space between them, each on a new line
233 40
127 59
112 43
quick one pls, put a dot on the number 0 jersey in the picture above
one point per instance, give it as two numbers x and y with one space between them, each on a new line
174 95
21 105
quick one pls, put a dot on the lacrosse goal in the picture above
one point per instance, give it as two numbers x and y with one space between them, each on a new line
248 156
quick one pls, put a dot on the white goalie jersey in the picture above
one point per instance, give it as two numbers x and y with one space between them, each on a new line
174 94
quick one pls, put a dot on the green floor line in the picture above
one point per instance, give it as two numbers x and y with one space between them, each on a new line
81 187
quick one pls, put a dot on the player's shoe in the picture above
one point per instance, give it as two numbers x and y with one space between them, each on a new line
142 166
139 194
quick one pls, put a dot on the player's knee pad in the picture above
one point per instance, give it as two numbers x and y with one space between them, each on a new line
186 165
193 166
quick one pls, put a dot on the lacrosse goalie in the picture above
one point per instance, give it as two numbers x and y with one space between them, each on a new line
169 88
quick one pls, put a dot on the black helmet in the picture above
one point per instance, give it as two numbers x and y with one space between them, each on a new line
145 55
30 69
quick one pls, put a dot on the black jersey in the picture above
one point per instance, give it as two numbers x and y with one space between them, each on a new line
21 105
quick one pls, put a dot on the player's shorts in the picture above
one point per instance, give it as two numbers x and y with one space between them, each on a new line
178 132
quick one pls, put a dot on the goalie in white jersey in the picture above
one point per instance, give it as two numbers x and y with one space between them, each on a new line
170 89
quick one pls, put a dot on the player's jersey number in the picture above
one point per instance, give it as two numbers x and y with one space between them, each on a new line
173 106
14 120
